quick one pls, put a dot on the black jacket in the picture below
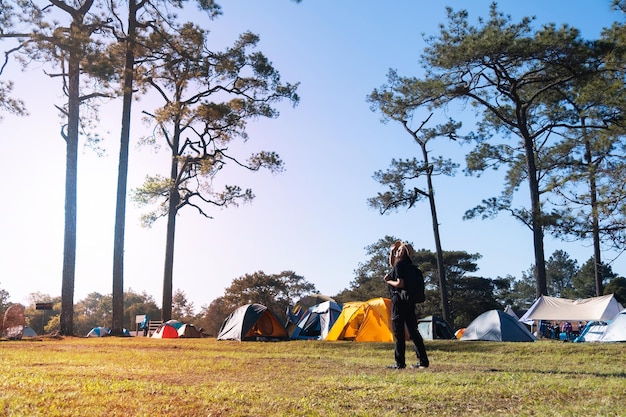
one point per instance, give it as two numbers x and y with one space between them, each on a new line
402 269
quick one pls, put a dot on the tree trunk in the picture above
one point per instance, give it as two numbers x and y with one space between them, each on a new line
117 326
168 276
443 286
537 222
537 228
595 222
71 178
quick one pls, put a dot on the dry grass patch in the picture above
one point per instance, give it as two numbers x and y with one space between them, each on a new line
204 377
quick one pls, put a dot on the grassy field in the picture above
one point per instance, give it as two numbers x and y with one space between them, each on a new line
204 377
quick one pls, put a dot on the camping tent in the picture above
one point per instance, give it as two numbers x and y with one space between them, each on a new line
434 327
317 321
98 332
165 331
188 330
368 321
252 322
297 312
616 329
174 323
29 332
313 299
602 308
509 310
497 326
592 332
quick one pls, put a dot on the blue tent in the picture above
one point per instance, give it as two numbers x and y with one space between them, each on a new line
174 323
295 313
98 332
317 321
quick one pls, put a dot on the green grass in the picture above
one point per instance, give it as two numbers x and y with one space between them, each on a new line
204 377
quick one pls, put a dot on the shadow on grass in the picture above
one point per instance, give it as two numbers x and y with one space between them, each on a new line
560 372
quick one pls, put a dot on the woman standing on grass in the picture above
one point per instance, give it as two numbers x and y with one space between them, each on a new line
402 308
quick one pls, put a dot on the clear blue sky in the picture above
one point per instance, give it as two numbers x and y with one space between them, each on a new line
312 219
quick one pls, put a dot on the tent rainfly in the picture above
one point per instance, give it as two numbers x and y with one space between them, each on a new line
174 323
297 312
317 321
252 322
602 308
99 332
165 331
497 326
368 321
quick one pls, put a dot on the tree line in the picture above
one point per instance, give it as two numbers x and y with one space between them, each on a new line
469 295
549 106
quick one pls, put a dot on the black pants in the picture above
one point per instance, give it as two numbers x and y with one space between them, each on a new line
403 313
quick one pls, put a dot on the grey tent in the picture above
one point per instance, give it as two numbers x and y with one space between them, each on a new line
29 332
434 327
252 322
497 326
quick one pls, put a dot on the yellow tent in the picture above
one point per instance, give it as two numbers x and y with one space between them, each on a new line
368 321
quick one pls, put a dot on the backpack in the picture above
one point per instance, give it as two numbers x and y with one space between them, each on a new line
414 287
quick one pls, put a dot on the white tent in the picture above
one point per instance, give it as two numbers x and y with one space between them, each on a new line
592 332
602 308
616 330
99 332
497 326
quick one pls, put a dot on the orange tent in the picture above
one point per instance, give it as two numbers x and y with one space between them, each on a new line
368 321
252 322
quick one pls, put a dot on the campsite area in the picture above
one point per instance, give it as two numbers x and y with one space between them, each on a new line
138 376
